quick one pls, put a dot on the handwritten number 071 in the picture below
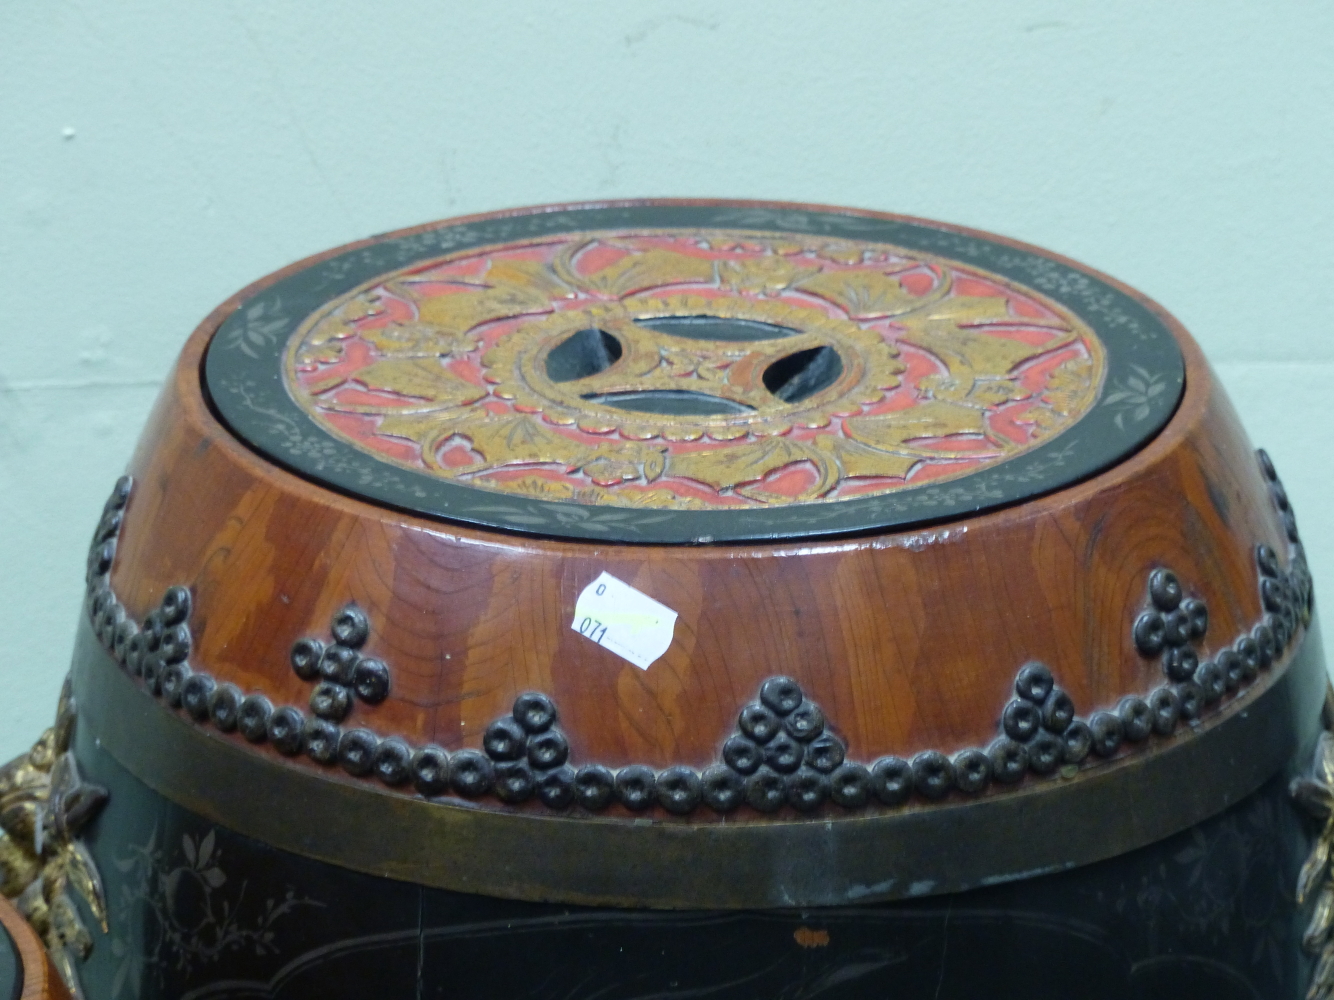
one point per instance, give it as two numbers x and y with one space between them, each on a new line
593 629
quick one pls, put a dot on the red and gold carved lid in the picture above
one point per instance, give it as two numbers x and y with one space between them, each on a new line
674 372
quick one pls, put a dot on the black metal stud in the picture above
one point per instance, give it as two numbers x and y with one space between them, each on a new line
1164 589
636 787
1180 664
678 789
850 785
371 680
223 706
1232 669
766 791
252 718
972 770
1289 527
505 739
783 754
330 701
287 731
350 627
1176 627
471 774
594 786
1197 613
781 694
1279 629
1190 700
893 778
547 750
1248 652
430 770
136 648
555 788
120 493
102 557
1271 593
1211 681
805 722
172 681
1165 708
339 664
195 693
825 753
1136 718
759 723
515 782
1264 645
1078 738
807 789
1266 464
321 738
1107 733
108 527
721 788
1034 682
742 755
1009 760
175 644
1045 753
356 751
1058 711
152 631
392 762
534 711
1021 720
151 671
175 605
305 658
932 774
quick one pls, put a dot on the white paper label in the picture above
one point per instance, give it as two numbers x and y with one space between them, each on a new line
632 625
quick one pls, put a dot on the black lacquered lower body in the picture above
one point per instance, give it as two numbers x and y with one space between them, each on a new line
11 968
198 911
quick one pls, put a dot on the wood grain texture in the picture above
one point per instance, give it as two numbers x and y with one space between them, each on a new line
907 640
40 979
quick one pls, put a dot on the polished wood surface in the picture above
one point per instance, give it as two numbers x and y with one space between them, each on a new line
40 980
908 640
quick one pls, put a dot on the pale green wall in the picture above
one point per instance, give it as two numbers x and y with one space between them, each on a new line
154 157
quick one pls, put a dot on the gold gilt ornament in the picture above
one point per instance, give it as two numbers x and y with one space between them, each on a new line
44 804
698 370
1316 795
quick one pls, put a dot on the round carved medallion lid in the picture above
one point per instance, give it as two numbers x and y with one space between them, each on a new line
673 372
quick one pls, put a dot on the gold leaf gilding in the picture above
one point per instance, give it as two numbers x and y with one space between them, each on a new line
42 790
932 419
647 269
858 460
723 468
519 439
864 294
420 378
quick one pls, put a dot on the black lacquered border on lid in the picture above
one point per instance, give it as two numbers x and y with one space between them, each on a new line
243 378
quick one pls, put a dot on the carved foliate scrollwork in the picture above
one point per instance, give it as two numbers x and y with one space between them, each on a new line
695 369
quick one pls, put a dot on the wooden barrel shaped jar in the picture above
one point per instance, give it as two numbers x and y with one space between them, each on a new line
687 599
